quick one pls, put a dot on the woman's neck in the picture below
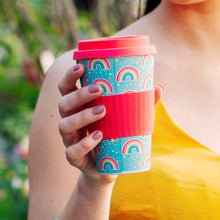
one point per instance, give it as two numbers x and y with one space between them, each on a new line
196 24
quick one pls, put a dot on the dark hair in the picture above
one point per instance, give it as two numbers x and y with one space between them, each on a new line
151 5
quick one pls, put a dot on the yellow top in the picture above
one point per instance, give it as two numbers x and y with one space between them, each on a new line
183 183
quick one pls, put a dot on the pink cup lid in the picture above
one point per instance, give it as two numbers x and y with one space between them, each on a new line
114 47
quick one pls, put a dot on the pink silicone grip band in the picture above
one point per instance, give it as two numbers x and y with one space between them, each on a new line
129 114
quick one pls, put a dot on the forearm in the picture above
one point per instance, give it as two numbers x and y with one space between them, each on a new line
88 202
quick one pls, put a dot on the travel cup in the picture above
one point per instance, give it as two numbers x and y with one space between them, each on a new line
123 67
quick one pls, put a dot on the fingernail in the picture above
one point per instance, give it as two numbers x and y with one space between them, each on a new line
76 67
94 88
98 109
97 135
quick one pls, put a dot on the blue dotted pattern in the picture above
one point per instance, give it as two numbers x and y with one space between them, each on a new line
126 162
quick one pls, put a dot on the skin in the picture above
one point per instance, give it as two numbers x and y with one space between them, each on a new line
63 179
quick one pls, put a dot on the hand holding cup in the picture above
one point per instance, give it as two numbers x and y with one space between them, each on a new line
74 120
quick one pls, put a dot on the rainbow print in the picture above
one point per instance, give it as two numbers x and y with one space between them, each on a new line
132 144
146 160
148 82
148 59
127 73
84 81
102 64
106 86
98 150
108 162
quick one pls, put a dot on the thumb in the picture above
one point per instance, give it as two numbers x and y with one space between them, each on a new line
158 94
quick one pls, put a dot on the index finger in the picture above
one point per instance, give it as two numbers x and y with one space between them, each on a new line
68 82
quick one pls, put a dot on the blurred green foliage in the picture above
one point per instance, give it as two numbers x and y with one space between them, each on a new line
28 27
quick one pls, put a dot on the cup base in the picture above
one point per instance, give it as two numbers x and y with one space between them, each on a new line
127 172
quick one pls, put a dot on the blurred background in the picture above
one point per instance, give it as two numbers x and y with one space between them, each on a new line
32 34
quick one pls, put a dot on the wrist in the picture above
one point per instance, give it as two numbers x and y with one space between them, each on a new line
90 200
88 186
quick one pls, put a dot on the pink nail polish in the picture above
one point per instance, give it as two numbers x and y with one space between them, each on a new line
76 67
93 89
98 109
97 135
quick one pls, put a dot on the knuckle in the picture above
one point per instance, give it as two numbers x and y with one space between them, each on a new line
63 105
85 116
60 86
86 144
81 94
71 155
62 127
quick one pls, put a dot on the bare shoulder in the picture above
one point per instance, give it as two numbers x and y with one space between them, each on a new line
51 177
50 94
142 26
61 65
